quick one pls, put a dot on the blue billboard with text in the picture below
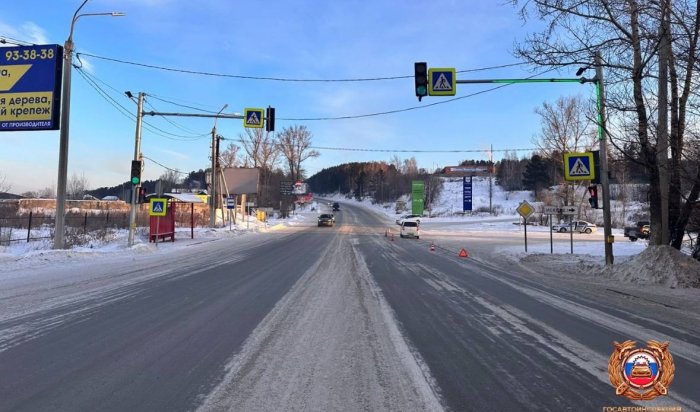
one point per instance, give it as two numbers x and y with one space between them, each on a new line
30 87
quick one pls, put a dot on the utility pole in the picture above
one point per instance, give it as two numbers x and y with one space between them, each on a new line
137 156
214 171
491 180
604 179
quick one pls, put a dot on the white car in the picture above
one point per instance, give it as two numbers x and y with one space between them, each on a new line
580 226
410 229
409 218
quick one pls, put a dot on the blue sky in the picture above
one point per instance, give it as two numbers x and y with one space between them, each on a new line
286 39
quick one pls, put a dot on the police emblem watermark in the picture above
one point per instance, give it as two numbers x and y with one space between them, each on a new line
641 374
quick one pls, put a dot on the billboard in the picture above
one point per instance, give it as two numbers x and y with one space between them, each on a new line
240 180
30 87
417 196
299 188
466 193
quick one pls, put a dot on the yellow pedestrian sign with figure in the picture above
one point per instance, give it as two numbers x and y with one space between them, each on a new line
442 82
579 166
253 118
158 207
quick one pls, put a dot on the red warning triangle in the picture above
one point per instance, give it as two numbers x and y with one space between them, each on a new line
463 253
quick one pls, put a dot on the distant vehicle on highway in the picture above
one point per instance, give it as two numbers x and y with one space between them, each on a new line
410 229
640 231
326 219
336 207
580 226
408 218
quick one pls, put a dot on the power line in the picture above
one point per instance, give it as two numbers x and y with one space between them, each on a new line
165 167
279 79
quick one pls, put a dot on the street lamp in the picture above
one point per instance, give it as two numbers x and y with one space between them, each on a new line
214 164
65 117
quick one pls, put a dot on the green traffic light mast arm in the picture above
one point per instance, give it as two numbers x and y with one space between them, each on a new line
513 81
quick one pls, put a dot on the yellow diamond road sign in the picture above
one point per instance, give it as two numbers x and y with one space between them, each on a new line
525 209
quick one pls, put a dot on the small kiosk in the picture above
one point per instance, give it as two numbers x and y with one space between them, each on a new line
161 213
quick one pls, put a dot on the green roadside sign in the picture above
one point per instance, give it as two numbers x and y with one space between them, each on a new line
417 196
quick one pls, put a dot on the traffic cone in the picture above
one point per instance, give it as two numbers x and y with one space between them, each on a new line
463 253
432 247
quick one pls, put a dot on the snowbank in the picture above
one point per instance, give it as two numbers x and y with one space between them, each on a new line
656 265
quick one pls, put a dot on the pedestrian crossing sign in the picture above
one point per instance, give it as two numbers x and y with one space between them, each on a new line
158 207
579 166
253 118
442 82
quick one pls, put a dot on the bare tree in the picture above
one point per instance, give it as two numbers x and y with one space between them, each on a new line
229 157
77 186
567 126
294 144
4 186
47 193
170 179
629 34
261 151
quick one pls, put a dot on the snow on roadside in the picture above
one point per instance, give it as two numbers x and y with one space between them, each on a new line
656 265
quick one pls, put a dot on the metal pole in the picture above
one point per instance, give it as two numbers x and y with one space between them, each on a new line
551 236
604 180
137 156
58 239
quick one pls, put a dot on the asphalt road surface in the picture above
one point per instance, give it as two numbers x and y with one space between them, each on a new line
308 318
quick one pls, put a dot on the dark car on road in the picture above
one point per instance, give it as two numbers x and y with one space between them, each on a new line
326 219
336 207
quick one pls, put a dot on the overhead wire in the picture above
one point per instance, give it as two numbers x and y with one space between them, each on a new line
278 79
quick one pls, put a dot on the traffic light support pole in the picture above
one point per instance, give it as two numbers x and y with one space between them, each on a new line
137 156
604 179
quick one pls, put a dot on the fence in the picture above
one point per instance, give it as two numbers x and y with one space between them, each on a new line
35 226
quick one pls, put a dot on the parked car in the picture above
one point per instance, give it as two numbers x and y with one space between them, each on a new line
580 226
336 207
410 229
640 231
408 218
326 219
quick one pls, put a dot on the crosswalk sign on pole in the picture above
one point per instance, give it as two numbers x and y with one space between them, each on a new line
158 207
442 82
579 166
253 118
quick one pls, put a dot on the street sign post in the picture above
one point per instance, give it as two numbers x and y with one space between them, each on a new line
30 87
525 210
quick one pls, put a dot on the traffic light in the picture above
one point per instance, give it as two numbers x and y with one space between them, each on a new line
593 200
421 75
142 195
136 166
270 115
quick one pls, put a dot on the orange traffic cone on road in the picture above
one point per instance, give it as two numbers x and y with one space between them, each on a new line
432 247
463 253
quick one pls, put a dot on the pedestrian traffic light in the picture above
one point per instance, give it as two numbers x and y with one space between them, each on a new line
593 200
421 75
136 166
270 115
142 195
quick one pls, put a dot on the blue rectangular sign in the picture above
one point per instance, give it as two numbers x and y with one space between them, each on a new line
467 193
30 87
